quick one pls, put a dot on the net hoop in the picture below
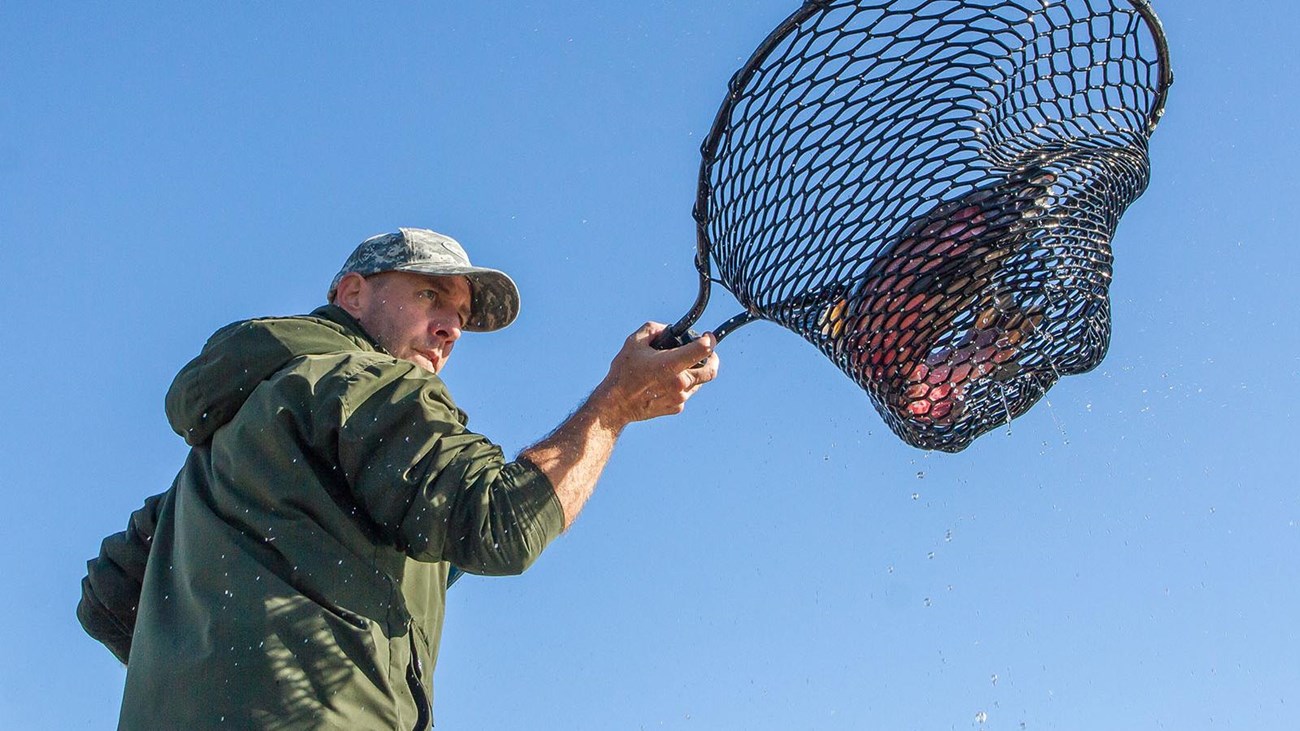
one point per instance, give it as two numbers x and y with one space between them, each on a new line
735 88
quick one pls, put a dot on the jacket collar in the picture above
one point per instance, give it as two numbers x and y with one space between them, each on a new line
343 319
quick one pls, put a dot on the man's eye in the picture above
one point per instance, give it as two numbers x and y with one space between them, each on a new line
429 294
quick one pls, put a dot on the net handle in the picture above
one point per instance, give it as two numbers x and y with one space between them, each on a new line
680 332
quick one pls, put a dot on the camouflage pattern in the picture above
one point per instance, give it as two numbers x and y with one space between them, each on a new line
495 298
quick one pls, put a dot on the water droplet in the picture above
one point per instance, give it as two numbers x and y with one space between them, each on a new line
916 496
981 717
920 475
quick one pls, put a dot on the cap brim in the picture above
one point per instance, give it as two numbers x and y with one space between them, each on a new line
494 301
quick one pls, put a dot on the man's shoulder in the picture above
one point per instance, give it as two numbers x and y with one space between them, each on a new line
211 388
325 330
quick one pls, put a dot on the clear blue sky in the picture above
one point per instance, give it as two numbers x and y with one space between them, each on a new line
1126 557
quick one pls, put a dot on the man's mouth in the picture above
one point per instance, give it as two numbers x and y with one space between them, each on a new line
432 356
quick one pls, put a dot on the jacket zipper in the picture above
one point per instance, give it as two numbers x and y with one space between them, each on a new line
414 679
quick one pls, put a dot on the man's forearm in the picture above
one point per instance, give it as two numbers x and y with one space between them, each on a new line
575 454
642 383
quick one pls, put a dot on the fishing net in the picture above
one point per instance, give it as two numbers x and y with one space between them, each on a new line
926 191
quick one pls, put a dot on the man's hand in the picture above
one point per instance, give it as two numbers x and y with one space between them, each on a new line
644 383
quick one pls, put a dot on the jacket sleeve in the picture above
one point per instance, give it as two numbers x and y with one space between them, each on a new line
439 491
110 591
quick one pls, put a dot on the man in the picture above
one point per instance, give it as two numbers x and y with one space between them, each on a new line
294 574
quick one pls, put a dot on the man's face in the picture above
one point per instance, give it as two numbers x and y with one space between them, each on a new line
414 317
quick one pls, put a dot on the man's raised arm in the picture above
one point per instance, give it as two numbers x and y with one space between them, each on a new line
642 383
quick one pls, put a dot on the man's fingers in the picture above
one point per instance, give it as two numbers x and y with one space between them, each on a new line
705 371
647 333
645 383
693 352
698 374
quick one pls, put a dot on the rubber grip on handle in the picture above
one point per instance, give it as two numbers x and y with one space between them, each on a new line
667 341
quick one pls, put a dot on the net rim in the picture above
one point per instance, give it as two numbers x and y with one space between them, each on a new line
737 84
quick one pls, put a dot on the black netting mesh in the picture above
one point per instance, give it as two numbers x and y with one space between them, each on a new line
926 190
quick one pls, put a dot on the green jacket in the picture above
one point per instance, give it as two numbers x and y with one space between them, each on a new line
297 567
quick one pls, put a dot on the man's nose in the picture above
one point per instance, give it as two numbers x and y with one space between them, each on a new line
447 327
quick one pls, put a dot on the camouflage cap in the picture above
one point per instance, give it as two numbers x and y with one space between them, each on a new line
494 296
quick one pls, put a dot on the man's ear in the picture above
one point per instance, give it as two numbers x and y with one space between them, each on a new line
351 294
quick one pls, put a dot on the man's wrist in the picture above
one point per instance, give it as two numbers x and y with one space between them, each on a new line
606 409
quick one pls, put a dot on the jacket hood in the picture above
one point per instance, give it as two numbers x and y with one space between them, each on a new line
210 389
